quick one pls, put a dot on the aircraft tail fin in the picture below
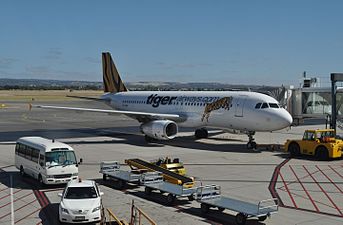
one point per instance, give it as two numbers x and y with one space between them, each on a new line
111 77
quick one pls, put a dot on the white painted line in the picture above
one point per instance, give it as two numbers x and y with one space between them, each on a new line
12 204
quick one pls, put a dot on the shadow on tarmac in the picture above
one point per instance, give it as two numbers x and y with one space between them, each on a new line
130 139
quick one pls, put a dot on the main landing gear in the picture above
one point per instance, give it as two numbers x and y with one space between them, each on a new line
251 143
201 133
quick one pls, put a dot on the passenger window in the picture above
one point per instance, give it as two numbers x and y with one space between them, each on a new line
264 105
258 105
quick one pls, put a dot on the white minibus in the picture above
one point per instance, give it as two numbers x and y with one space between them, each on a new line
49 161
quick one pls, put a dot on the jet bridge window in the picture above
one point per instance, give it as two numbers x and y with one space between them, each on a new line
265 105
258 105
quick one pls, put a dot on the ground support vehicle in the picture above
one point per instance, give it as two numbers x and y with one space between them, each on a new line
173 165
154 181
210 196
111 169
168 175
321 143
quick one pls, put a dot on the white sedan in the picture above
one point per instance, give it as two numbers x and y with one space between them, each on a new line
80 202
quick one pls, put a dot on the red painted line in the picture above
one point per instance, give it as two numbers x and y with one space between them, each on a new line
336 172
289 193
40 198
326 194
18 208
16 200
330 180
27 216
308 195
10 194
273 181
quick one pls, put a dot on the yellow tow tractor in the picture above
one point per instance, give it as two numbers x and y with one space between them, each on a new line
321 143
173 165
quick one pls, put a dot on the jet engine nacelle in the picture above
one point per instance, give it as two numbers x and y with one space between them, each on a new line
160 129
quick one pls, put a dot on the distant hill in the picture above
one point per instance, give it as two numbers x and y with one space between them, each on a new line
36 84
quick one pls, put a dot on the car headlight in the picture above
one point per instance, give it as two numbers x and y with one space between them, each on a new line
96 209
49 176
75 174
64 210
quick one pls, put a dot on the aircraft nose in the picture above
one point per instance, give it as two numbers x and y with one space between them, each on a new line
286 119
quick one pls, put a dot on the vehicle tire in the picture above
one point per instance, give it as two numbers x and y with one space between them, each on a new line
294 150
104 177
322 153
241 218
40 180
147 191
205 208
170 199
262 218
220 209
121 184
22 172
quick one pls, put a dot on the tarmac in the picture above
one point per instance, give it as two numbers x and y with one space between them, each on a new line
309 191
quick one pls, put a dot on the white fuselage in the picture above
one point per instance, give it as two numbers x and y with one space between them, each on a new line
233 110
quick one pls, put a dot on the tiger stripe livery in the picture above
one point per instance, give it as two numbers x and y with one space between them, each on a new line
111 78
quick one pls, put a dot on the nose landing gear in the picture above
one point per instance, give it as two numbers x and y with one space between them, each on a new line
251 143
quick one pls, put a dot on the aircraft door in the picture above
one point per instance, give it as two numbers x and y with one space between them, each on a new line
239 106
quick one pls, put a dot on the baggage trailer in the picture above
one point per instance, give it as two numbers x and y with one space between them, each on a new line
111 169
154 181
210 196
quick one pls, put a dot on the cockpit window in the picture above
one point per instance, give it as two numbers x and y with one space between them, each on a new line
264 105
258 105
273 105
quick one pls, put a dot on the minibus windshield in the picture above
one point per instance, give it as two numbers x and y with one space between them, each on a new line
60 158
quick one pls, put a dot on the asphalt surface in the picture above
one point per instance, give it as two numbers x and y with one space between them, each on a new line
309 191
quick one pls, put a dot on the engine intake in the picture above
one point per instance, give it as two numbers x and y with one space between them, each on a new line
160 129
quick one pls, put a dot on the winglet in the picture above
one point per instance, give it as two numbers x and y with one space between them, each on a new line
111 77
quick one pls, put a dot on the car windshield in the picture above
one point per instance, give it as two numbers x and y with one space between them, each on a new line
81 193
60 158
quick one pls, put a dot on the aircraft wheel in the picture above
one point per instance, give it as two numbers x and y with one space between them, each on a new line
251 145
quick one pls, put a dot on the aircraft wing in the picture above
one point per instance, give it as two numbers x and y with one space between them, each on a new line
140 116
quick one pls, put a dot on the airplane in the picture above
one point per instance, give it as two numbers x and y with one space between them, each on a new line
161 113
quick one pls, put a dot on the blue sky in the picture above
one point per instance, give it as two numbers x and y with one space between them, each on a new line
238 42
